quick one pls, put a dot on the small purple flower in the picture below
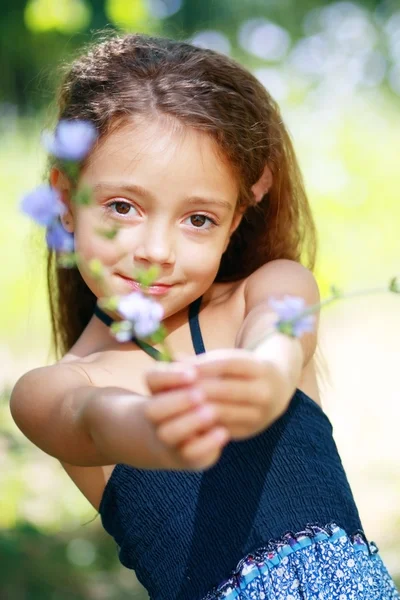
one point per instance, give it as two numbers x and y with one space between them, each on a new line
59 239
146 326
144 313
289 311
72 140
43 204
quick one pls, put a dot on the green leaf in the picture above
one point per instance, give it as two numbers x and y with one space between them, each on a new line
110 303
83 196
165 356
109 234
394 285
146 277
71 168
285 327
159 336
118 326
96 268
335 291
68 260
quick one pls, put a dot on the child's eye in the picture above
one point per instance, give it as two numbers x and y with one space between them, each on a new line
197 221
120 207
123 209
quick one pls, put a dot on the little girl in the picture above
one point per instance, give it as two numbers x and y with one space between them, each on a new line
216 475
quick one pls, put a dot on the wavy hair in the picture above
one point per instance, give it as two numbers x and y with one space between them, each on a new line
137 75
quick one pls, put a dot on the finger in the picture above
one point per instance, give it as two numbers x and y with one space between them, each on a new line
237 414
232 391
236 362
170 404
203 451
240 420
180 428
170 376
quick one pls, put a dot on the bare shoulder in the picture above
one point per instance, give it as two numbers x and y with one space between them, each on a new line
238 299
279 278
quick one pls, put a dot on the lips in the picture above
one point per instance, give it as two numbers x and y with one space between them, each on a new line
155 284
156 288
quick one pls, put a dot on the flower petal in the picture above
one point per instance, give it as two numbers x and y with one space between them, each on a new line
72 140
144 313
290 319
58 239
43 204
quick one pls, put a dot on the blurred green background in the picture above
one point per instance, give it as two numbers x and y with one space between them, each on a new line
334 67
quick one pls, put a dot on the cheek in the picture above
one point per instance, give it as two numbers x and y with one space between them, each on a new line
201 261
104 250
89 242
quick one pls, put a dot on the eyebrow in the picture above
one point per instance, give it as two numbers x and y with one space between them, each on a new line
143 193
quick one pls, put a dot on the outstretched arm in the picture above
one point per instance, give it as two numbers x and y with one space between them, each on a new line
247 390
61 412
277 279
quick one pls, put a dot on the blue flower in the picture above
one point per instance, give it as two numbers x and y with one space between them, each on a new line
43 204
58 239
144 313
72 140
290 319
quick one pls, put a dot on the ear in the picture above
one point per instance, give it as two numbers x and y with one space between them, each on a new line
262 186
60 182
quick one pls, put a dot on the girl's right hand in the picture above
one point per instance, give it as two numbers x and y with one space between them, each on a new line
192 438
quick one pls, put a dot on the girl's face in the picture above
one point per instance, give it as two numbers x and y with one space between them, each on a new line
174 200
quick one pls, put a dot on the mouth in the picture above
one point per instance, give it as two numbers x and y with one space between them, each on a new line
156 289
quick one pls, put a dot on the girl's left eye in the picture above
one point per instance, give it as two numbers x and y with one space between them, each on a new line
198 220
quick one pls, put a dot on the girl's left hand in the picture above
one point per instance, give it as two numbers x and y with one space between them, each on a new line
245 393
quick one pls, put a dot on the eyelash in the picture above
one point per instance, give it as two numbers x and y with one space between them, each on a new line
213 222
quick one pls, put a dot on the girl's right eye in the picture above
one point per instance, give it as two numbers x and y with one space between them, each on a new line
120 208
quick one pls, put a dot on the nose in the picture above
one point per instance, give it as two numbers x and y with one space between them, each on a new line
156 247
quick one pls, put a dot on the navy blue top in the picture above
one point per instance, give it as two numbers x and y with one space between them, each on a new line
184 532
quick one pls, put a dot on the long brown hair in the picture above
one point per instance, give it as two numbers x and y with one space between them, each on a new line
132 75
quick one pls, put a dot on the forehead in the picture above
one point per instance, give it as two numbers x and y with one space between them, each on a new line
161 151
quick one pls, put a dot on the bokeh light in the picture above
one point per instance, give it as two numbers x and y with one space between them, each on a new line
213 40
129 15
66 16
81 552
274 81
264 39
160 9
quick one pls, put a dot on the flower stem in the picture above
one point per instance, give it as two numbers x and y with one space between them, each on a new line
315 307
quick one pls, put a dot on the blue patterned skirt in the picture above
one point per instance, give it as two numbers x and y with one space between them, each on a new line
316 564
